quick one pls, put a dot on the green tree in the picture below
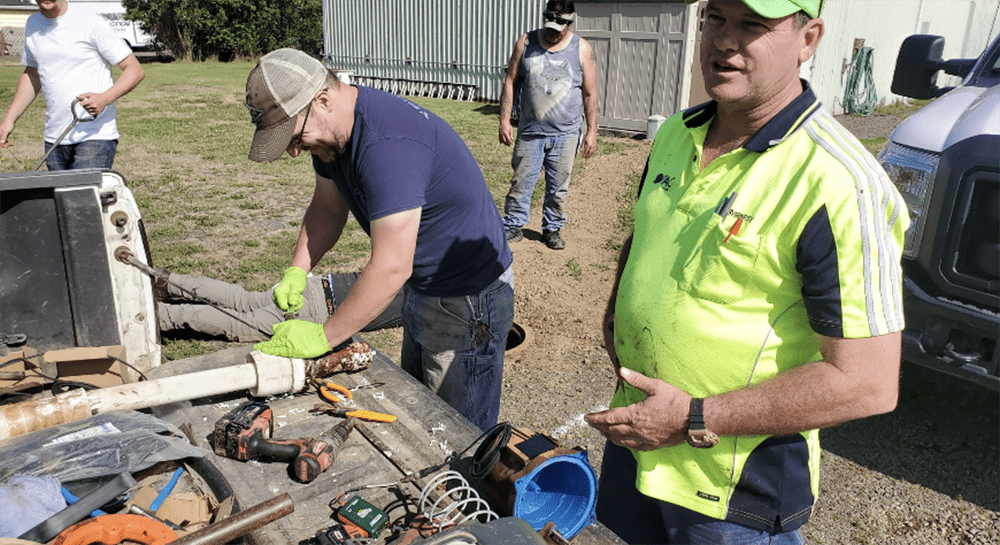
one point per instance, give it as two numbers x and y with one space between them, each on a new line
226 29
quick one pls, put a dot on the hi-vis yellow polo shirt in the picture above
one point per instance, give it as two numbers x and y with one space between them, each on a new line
733 271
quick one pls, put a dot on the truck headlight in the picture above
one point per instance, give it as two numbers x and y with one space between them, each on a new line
913 172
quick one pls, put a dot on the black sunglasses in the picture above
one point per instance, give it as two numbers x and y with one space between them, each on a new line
556 18
297 139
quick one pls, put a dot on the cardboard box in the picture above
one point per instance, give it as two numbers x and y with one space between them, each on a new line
179 507
31 372
97 365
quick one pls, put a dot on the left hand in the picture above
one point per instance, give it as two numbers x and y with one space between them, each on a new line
658 421
296 339
93 103
589 146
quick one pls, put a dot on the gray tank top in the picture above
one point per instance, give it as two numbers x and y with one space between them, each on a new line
551 94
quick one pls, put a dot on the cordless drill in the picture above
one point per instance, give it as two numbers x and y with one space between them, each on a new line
245 434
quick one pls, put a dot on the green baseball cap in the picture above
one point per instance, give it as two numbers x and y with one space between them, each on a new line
775 9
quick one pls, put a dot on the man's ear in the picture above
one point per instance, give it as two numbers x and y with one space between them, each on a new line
325 99
812 33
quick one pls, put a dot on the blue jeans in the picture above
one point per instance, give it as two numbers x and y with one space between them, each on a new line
531 154
638 518
88 154
455 346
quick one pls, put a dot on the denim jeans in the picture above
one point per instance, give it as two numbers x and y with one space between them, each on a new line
455 346
638 518
531 154
88 154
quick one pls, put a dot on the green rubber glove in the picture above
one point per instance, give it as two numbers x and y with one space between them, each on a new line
296 339
288 294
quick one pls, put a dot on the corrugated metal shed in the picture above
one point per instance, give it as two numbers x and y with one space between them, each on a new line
463 42
459 49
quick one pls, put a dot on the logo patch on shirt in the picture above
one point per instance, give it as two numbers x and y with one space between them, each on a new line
664 180
707 496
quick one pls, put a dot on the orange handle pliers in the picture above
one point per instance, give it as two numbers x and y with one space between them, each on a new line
325 392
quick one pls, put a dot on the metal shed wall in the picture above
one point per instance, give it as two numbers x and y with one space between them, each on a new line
466 42
642 48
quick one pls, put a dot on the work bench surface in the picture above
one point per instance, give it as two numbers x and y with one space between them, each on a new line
426 432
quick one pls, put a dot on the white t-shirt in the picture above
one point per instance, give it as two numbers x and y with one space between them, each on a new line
74 53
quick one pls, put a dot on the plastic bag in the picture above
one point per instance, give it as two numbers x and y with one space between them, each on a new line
104 444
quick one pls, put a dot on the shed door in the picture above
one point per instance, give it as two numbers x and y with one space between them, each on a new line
643 53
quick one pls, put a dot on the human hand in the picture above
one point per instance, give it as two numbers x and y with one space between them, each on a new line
94 103
296 339
589 146
506 133
5 130
658 421
288 294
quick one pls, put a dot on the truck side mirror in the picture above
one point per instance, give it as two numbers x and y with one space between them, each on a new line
917 65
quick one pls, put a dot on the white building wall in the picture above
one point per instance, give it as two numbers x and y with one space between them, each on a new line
967 26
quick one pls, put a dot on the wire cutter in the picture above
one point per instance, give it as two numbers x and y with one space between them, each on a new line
326 392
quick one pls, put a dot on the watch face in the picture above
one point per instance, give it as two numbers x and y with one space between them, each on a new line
702 439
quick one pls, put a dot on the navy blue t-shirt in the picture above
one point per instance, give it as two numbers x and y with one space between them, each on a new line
400 157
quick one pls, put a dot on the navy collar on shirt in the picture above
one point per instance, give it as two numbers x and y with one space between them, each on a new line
787 121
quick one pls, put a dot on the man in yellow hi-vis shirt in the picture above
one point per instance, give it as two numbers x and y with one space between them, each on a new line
758 300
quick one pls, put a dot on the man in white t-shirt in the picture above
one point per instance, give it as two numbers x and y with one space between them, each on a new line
68 53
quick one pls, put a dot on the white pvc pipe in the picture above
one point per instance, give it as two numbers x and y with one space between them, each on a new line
150 393
263 375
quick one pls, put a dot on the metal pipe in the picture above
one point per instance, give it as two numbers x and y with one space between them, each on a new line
240 524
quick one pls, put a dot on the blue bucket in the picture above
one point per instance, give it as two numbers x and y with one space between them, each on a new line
563 489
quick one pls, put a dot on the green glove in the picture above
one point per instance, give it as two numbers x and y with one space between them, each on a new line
296 339
288 294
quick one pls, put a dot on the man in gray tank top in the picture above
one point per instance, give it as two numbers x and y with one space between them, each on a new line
552 74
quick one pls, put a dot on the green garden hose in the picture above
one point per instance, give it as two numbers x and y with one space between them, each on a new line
859 93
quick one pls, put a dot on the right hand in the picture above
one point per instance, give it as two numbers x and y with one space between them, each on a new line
5 130
288 294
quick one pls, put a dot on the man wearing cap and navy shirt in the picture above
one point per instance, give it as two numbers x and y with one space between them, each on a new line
758 299
415 188
551 70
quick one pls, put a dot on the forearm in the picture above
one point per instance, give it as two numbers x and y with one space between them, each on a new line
24 94
814 395
590 112
320 231
507 101
374 290
132 74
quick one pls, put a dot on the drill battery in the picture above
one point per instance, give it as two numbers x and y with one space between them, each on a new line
233 430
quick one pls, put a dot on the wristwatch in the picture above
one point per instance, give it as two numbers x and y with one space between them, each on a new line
698 435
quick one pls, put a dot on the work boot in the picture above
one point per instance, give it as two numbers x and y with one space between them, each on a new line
160 284
553 240
514 234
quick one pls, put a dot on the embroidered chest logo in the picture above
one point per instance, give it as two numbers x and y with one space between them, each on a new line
664 180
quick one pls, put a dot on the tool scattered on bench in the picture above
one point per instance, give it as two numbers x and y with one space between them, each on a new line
325 393
246 433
